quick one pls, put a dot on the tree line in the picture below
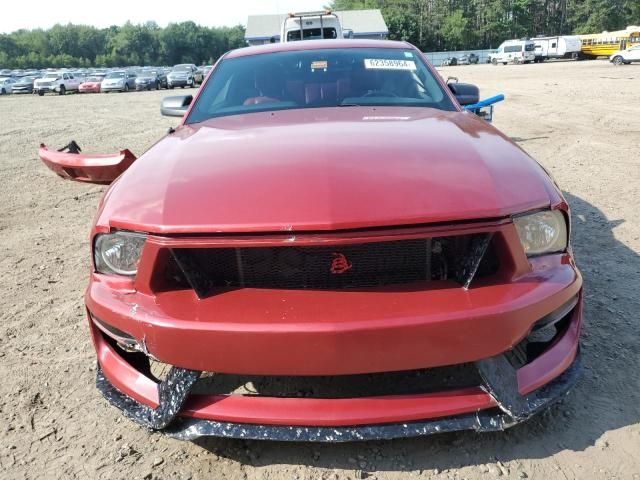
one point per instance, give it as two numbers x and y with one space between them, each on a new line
440 25
147 44
431 25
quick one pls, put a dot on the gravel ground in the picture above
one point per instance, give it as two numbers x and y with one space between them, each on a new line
579 119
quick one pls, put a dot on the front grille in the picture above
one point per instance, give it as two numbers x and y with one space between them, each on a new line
366 265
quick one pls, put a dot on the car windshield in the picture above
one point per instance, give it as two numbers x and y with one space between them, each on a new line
319 78
52 76
115 75
95 79
181 68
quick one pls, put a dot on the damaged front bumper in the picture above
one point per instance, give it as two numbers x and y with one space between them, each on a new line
514 410
92 168
508 393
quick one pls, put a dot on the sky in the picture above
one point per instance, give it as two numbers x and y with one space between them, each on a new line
103 13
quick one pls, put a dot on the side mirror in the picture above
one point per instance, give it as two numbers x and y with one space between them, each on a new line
465 93
175 106
347 33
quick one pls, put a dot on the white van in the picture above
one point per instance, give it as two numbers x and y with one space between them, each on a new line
565 46
516 51
310 26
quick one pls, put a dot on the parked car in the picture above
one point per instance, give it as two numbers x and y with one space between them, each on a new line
627 56
328 219
514 51
450 62
6 85
151 80
24 84
118 81
80 75
184 75
205 70
468 59
56 82
92 84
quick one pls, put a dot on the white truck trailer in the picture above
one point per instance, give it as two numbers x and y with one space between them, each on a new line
564 46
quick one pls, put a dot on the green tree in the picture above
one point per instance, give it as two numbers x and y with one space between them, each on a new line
454 29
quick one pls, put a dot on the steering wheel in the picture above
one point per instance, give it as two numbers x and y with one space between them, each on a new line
379 93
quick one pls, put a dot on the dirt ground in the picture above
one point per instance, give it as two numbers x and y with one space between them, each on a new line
581 120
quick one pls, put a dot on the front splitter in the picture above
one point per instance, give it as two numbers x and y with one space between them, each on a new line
170 423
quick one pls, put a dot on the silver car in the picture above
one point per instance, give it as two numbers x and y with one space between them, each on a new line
6 85
184 75
118 81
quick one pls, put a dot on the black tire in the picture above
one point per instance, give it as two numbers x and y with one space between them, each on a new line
171 87
618 60
158 85
504 63
3 92
494 61
41 93
63 90
181 86
126 87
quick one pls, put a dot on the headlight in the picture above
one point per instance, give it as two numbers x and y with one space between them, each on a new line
542 232
118 253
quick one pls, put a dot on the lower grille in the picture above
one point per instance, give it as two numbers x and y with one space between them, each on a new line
366 265
410 382
543 335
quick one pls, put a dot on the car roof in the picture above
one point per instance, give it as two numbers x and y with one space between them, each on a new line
315 45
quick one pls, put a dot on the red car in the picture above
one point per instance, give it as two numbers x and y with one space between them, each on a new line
91 85
330 248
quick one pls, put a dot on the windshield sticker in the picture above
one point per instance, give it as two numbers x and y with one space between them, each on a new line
319 65
386 64
408 54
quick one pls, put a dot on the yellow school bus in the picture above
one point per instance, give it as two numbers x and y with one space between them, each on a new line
607 43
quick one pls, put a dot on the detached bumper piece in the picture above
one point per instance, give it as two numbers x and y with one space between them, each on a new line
69 163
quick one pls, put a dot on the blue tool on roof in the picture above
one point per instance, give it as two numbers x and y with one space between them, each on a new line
484 108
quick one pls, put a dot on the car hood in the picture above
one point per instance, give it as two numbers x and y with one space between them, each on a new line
326 169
